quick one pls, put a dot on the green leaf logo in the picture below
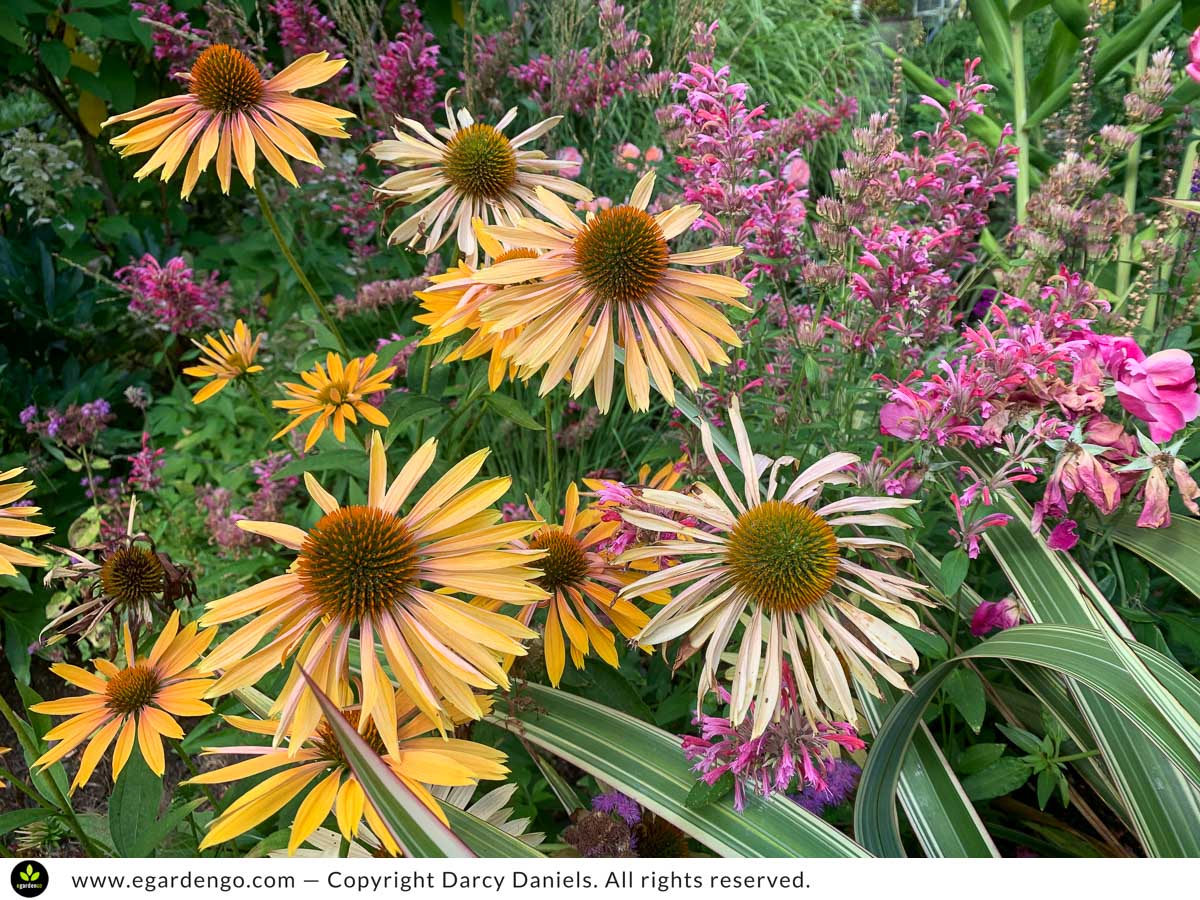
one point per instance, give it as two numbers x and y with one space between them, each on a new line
29 879
29 874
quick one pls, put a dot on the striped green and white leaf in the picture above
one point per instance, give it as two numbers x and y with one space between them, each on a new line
410 822
1175 549
646 763
1159 801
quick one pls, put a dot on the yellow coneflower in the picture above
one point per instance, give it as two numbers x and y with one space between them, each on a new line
224 360
475 171
490 808
139 700
417 761
582 583
14 522
783 564
336 394
608 282
229 111
362 571
452 305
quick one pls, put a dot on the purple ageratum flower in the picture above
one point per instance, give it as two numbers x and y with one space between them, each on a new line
619 805
995 616
841 778
793 748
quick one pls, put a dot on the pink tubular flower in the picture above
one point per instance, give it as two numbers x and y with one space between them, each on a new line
1193 66
169 298
1161 391
995 616
793 749
1156 493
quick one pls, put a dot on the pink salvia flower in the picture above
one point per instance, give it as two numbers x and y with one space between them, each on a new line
1193 66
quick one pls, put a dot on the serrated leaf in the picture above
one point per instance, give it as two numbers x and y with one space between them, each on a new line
978 757
964 689
954 570
133 804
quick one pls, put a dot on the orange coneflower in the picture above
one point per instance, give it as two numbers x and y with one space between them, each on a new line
224 360
608 283
229 110
368 572
321 763
582 582
452 305
14 522
783 563
475 171
139 700
336 394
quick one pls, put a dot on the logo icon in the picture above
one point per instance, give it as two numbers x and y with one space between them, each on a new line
29 878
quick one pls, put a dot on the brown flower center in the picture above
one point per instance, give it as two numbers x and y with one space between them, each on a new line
132 689
480 162
357 561
565 563
622 254
327 745
224 80
782 555
132 575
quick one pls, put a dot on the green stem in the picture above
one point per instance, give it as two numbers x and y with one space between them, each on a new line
424 391
307 285
1020 114
195 773
548 415
343 848
1132 161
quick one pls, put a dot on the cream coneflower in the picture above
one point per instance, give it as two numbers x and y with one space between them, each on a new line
336 394
608 282
783 563
225 360
452 305
138 701
475 171
582 583
319 770
14 522
368 572
230 110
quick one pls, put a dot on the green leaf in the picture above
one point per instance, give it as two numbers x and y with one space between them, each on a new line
485 839
1174 549
56 57
646 763
510 409
964 689
154 835
19 818
978 757
954 570
1002 777
1026 740
704 794
133 804
342 459
412 825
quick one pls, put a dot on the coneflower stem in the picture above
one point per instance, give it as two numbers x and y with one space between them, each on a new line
548 413
290 257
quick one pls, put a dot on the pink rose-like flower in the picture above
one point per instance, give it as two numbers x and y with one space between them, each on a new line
995 616
1161 391
1193 67
573 155
796 173
629 151
1063 537
653 154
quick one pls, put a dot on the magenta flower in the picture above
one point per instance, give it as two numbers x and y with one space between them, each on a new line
1156 509
794 753
1063 536
995 616
1161 391
1193 66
